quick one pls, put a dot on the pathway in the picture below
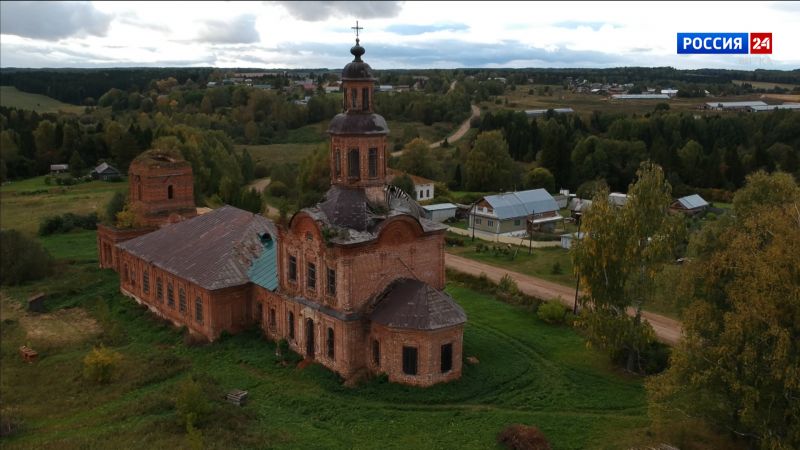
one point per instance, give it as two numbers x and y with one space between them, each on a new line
667 330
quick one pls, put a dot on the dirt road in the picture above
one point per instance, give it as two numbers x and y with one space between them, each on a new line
260 184
458 134
667 330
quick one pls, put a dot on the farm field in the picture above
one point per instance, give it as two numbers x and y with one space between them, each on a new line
11 97
25 203
529 372
585 104
764 84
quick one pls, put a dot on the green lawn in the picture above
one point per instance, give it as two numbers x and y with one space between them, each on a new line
25 203
10 97
528 373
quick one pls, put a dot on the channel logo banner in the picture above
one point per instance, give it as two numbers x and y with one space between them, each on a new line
713 43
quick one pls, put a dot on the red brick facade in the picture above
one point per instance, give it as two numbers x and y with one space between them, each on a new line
107 239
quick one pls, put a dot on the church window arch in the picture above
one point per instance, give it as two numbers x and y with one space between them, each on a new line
353 164
169 192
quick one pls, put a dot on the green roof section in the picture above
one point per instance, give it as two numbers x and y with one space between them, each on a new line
264 270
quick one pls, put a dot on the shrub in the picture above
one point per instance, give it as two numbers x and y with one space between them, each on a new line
191 403
556 269
22 258
114 206
507 285
522 437
454 241
66 223
101 365
278 189
552 312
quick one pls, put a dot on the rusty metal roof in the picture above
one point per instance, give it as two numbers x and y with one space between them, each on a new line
214 250
358 123
413 304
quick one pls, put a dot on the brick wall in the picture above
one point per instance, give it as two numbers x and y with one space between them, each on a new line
343 145
222 310
429 351
162 193
107 239
402 250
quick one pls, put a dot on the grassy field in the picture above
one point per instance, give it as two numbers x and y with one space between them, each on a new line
25 203
764 84
528 373
12 98
540 263
274 154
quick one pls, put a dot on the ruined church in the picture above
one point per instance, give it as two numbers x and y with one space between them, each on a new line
354 283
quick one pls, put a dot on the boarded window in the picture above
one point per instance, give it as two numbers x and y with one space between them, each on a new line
146 282
311 276
331 282
291 325
292 268
198 310
170 295
409 360
376 353
353 164
159 290
365 99
182 300
447 357
373 162
337 163
330 343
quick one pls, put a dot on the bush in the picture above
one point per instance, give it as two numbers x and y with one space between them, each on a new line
552 312
191 403
507 285
278 189
261 171
556 269
101 365
22 258
66 223
522 437
454 241
114 206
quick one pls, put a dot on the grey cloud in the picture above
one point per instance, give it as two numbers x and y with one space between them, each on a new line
130 18
241 30
316 11
52 20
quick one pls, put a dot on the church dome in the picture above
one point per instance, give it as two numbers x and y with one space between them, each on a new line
357 69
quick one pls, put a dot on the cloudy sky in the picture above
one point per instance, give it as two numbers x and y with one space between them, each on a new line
396 34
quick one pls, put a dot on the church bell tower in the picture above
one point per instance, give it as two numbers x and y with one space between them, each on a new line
358 135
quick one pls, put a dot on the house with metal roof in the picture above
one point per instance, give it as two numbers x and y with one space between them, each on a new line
105 172
440 211
690 205
734 106
511 212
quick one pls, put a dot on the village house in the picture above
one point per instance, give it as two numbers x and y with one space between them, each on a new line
423 187
105 172
354 283
509 213
55 169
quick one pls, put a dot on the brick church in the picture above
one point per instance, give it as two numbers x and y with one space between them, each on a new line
354 283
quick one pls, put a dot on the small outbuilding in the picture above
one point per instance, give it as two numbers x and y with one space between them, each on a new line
58 168
440 211
566 239
690 205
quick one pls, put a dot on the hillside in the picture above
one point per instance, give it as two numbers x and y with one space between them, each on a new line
12 98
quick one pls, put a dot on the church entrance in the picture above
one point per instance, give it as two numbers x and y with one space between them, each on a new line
309 338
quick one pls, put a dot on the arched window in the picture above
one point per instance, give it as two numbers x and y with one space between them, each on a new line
330 343
365 99
447 358
198 310
169 192
353 164
139 187
373 162
126 273
291 325
409 360
354 95
146 282
337 163
376 352
159 290
170 295
182 300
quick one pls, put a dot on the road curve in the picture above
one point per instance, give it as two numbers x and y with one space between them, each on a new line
667 330
458 134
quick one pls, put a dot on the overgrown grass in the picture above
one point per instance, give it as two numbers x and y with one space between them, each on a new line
529 372
26 202
539 263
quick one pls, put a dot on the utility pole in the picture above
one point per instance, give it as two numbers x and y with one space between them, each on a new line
577 275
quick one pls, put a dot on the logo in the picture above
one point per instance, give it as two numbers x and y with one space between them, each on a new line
725 43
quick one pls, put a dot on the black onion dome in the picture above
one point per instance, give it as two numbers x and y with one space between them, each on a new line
358 124
358 69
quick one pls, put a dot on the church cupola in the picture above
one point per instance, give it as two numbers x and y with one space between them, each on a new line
358 135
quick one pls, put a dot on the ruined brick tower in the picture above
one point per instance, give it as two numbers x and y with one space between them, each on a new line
161 188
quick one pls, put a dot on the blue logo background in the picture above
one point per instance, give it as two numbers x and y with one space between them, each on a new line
712 51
